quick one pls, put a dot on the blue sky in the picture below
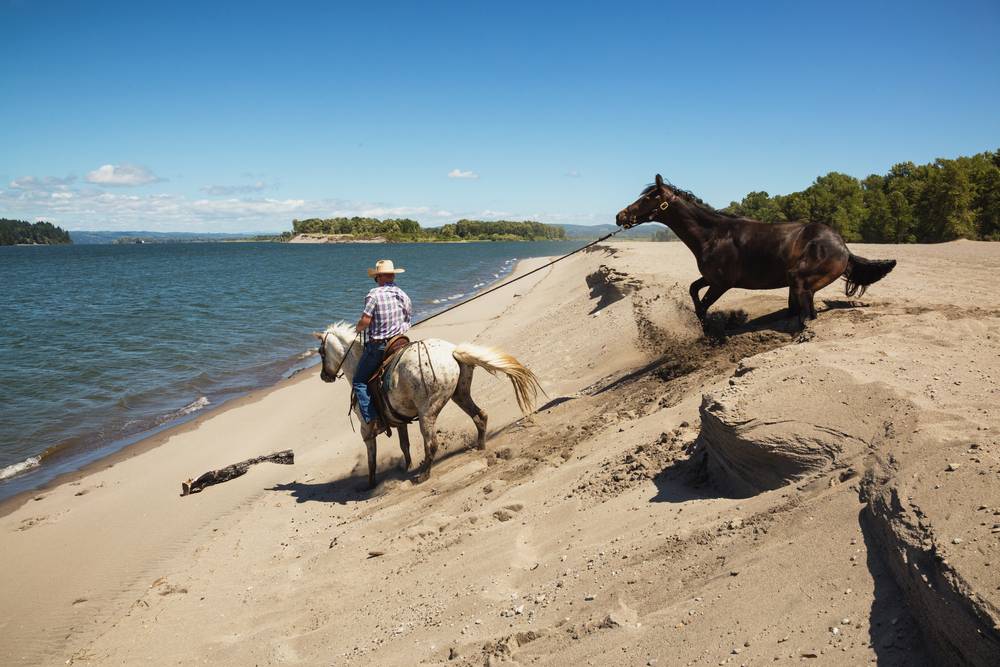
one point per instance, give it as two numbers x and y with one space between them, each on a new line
215 116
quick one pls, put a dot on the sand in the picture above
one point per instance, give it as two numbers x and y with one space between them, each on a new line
757 496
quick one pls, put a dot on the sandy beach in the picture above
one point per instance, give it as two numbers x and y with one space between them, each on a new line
761 496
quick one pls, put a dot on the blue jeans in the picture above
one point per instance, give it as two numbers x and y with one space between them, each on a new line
371 357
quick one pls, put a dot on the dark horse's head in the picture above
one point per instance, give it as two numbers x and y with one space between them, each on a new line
651 205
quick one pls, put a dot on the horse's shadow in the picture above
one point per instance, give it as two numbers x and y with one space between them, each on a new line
350 489
721 324
354 487
838 304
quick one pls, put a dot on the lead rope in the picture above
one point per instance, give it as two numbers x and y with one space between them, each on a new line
350 415
514 280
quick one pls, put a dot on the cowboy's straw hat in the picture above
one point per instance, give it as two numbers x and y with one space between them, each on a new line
384 266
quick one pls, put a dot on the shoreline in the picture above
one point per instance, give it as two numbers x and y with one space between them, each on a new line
145 441
148 442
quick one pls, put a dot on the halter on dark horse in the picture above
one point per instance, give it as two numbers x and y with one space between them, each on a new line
738 252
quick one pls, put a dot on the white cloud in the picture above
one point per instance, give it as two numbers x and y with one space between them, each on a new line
226 190
490 214
122 174
48 183
573 173
458 173
90 208
246 208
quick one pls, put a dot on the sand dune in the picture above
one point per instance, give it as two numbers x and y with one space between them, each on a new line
757 496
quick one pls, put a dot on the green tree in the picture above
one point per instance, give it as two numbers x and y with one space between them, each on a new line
988 204
837 200
944 212
901 215
795 206
758 206
878 222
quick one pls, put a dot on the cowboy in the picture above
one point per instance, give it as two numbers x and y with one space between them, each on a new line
386 314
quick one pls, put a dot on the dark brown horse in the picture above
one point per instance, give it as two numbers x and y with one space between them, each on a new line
738 252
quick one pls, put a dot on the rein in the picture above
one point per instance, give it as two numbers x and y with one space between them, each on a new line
322 353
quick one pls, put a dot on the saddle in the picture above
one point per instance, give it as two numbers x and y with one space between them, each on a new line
378 384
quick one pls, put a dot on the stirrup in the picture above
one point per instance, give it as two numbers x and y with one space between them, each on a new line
380 427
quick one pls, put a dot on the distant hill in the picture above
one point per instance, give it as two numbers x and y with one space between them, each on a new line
644 232
91 238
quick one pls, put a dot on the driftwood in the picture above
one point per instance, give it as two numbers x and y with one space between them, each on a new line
211 477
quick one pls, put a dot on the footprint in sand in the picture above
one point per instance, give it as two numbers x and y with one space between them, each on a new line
429 527
507 512
31 522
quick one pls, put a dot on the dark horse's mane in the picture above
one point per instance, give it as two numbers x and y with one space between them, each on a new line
689 196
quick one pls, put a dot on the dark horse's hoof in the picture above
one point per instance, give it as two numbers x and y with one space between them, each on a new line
805 335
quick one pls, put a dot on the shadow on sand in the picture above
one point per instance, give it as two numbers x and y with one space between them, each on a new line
686 478
354 487
721 324
673 489
892 631
350 489
841 304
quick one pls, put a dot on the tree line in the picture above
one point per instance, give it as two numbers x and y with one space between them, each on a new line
405 229
940 201
13 232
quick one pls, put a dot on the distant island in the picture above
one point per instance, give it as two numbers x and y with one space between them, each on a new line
19 232
406 230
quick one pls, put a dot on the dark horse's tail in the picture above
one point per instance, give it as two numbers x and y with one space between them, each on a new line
863 272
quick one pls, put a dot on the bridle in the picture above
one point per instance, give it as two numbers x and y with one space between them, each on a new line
323 375
669 198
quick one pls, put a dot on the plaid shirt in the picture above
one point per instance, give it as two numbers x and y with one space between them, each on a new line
390 310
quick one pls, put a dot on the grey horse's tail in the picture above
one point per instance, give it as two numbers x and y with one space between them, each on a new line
525 383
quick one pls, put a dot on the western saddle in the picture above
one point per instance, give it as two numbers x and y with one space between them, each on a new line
378 384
